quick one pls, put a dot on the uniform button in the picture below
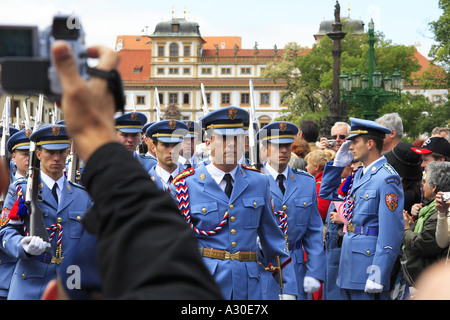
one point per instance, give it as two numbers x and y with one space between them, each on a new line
233 219
204 210
23 275
231 206
78 218
367 196
59 220
233 244
368 251
233 232
284 207
254 204
304 203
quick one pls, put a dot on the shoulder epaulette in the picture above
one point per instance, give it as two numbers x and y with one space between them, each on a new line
390 168
183 174
250 168
76 185
302 172
20 180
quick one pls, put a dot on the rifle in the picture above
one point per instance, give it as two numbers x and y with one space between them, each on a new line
205 102
4 153
158 106
37 225
253 144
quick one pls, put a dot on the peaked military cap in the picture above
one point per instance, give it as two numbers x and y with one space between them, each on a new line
169 131
226 121
131 122
12 131
366 127
280 132
19 141
51 137
194 128
145 127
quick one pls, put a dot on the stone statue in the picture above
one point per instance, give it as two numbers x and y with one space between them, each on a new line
236 49
337 12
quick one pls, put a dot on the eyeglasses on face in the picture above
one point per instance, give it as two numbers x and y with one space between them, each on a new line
341 136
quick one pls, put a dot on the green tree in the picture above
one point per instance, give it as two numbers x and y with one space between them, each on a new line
440 53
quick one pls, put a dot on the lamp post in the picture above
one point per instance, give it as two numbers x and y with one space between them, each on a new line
372 91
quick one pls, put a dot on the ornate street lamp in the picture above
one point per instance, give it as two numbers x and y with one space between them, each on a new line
372 91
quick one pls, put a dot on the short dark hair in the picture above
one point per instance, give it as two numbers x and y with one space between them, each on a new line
309 129
378 141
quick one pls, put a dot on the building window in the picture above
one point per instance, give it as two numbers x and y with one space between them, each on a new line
245 70
245 98
173 70
265 98
187 51
160 51
186 98
186 70
206 70
173 49
175 27
173 98
140 99
225 70
161 98
436 98
137 70
160 71
208 98
225 98
185 118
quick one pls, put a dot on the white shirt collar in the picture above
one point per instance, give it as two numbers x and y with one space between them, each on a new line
164 175
49 182
218 174
274 173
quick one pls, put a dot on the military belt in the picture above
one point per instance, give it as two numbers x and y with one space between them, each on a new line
46 258
362 230
225 255
294 245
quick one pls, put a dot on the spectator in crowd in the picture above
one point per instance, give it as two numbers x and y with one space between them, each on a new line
407 164
394 122
316 161
309 131
339 133
434 149
441 132
420 248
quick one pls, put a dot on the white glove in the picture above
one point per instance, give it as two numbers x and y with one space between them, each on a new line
33 245
344 156
286 296
373 287
310 285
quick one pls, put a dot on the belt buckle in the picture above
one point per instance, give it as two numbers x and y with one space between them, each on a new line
231 256
351 228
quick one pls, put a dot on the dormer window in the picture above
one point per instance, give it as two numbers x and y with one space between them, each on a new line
175 27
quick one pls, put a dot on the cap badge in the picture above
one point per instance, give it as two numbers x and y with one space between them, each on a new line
283 126
133 116
172 124
28 133
232 113
56 130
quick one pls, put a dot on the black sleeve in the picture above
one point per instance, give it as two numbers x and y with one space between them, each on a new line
145 248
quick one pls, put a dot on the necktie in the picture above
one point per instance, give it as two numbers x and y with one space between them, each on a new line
280 180
188 164
170 179
229 187
55 195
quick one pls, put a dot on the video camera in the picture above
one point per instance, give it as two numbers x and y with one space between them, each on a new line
25 57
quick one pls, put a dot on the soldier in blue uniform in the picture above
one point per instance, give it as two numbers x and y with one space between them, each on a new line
12 165
188 158
64 204
167 136
18 146
148 142
295 202
373 209
228 206
129 128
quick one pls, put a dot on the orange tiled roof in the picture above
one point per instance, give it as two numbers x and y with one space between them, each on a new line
134 59
229 42
136 42
426 66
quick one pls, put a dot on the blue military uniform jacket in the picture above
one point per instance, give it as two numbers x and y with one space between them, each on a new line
146 161
31 276
378 204
157 179
304 232
250 215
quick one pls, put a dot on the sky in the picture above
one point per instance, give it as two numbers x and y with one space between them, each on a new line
267 22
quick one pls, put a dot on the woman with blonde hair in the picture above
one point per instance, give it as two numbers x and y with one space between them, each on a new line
315 163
